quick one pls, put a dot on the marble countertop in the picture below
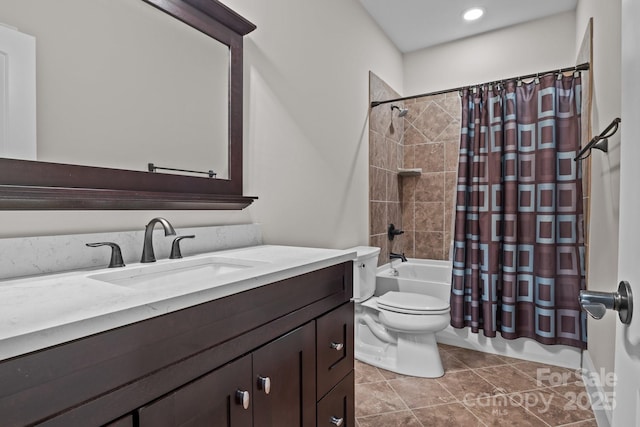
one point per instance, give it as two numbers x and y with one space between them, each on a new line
43 311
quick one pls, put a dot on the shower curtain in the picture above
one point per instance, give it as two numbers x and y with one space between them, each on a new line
518 241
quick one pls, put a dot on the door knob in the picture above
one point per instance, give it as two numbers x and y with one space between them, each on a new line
336 421
597 303
337 346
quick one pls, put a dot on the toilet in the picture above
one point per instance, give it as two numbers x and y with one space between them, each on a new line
395 331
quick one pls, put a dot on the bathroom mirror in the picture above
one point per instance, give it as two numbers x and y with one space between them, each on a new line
134 86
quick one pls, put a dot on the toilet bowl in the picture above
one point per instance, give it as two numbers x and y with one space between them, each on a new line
396 331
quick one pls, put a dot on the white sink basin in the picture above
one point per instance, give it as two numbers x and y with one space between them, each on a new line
174 273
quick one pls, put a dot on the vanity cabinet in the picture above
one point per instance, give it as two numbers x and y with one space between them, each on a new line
211 364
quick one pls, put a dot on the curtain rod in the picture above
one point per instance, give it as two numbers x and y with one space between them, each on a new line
581 67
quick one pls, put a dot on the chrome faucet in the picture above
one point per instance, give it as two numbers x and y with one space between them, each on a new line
147 248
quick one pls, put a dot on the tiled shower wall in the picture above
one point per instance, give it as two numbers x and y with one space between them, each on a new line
385 156
422 206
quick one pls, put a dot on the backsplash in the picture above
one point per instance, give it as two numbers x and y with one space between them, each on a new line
28 256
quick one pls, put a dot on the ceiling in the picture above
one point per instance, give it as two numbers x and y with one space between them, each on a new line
416 24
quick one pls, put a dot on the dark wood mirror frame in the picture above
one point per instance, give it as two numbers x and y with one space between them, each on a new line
33 185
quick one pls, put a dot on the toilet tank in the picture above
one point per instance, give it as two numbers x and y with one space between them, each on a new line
364 272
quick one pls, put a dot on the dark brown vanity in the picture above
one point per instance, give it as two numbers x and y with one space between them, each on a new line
277 355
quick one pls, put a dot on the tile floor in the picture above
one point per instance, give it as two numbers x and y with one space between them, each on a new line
478 389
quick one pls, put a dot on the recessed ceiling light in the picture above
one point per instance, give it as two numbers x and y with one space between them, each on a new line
473 14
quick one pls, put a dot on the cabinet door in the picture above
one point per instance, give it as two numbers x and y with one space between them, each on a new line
288 366
213 400
337 407
335 347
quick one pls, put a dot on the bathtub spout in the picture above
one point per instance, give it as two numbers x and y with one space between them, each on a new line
379 331
401 256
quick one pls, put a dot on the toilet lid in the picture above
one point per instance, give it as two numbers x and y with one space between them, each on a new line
407 302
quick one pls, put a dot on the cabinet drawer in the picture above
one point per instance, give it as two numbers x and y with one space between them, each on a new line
334 347
337 407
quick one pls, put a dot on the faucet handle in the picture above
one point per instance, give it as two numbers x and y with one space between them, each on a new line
116 253
175 246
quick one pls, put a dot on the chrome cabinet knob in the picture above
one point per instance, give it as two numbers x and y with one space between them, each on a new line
336 421
264 384
337 346
242 398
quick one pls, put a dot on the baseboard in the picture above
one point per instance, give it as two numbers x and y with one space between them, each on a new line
521 348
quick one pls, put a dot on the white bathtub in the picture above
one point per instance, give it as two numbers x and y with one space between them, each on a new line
421 276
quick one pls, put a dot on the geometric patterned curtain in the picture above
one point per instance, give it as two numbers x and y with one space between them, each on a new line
518 260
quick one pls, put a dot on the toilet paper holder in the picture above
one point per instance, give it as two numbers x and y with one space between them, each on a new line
597 303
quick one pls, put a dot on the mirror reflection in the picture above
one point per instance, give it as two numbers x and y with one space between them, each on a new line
121 84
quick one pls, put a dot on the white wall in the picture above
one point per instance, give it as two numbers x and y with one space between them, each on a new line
540 45
306 142
605 173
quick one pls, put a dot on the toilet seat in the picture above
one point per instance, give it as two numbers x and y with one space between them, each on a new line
412 303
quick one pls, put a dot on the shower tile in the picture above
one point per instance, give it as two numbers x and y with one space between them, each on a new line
408 216
430 157
433 121
413 136
452 131
421 392
416 107
452 105
394 155
466 385
393 188
450 415
394 216
398 245
396 419
408 157
365 373
430 187
408 187
378 218
448 220
428 245
451 155
377 398
377 184
507 378
429 216
395 127
409 245
378 155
